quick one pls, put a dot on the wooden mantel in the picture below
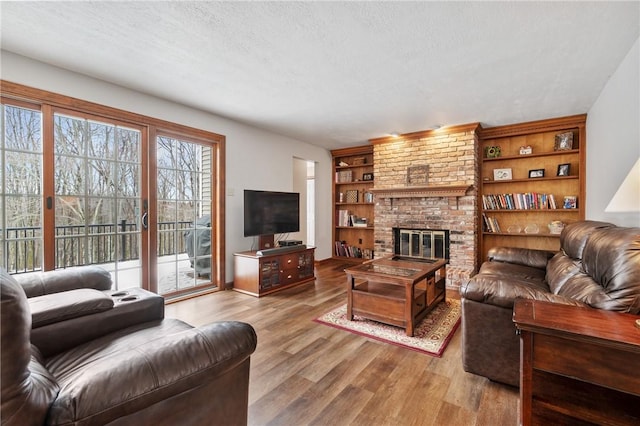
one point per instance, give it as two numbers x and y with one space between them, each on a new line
422 191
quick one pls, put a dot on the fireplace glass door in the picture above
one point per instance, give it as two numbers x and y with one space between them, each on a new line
429 244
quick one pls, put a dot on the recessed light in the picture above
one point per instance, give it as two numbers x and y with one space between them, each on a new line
394 134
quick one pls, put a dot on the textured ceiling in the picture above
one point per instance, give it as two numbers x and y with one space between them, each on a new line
338 73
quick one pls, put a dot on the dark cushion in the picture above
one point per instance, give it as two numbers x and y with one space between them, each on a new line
575 235
57 307
612 258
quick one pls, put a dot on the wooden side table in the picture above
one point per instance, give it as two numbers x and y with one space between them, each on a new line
578 366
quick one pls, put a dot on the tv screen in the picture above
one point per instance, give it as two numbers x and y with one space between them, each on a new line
269 212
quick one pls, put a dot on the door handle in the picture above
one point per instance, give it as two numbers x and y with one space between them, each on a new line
145 214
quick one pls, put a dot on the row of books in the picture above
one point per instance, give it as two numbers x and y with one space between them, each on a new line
345 219
490 223
346 250
518 201
344 176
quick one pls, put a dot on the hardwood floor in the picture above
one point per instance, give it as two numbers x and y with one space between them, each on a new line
305 373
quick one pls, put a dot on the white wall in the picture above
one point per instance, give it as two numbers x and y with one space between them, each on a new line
613 139
300 186
255 159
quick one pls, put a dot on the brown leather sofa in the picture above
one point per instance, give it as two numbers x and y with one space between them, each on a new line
160 372
598 266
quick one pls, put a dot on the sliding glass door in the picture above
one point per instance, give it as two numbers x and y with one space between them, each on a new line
81 187
185 240
98 197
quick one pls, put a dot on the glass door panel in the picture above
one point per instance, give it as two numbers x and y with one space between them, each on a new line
98 197
184 237
21 248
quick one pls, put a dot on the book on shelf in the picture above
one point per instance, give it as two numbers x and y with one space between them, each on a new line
490 224
518 201
343 217
342 248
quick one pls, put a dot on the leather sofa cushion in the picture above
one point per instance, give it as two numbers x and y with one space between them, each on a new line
612 258
143 365
57 307
513 270
499 284
573 238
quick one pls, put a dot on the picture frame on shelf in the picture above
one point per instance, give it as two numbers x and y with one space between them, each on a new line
526 150
536 173
368 197
367 176
417 175
570 202
564 141
563 169
502 174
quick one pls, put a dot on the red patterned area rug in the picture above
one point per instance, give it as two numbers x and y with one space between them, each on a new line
430 337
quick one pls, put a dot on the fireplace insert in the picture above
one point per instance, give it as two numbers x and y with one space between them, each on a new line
415 244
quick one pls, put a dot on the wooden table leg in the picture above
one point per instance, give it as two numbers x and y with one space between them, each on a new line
408 308
350 284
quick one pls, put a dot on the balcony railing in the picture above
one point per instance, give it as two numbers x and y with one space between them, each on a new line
86 245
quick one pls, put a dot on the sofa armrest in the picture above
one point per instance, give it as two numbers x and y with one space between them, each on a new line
60 336
520 256
155 371
41 283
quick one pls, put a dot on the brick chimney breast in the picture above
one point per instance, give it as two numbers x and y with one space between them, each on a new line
451 155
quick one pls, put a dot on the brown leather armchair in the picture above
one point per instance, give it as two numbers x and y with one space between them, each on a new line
598 266
156 372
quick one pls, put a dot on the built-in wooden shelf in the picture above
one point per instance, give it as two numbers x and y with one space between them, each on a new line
422 191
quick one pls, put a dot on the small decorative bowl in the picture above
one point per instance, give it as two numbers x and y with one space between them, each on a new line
514 229
532 228
556 227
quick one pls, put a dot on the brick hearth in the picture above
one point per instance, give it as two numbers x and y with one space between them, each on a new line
451 155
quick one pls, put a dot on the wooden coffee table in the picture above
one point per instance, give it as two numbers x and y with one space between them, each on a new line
396 290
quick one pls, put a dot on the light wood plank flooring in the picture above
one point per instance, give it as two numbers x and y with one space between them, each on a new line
305 373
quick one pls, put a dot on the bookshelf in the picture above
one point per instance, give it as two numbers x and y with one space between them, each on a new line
537 178
353 203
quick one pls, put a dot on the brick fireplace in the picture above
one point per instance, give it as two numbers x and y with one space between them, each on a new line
429 180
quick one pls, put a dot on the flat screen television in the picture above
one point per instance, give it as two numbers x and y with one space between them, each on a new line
270 212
